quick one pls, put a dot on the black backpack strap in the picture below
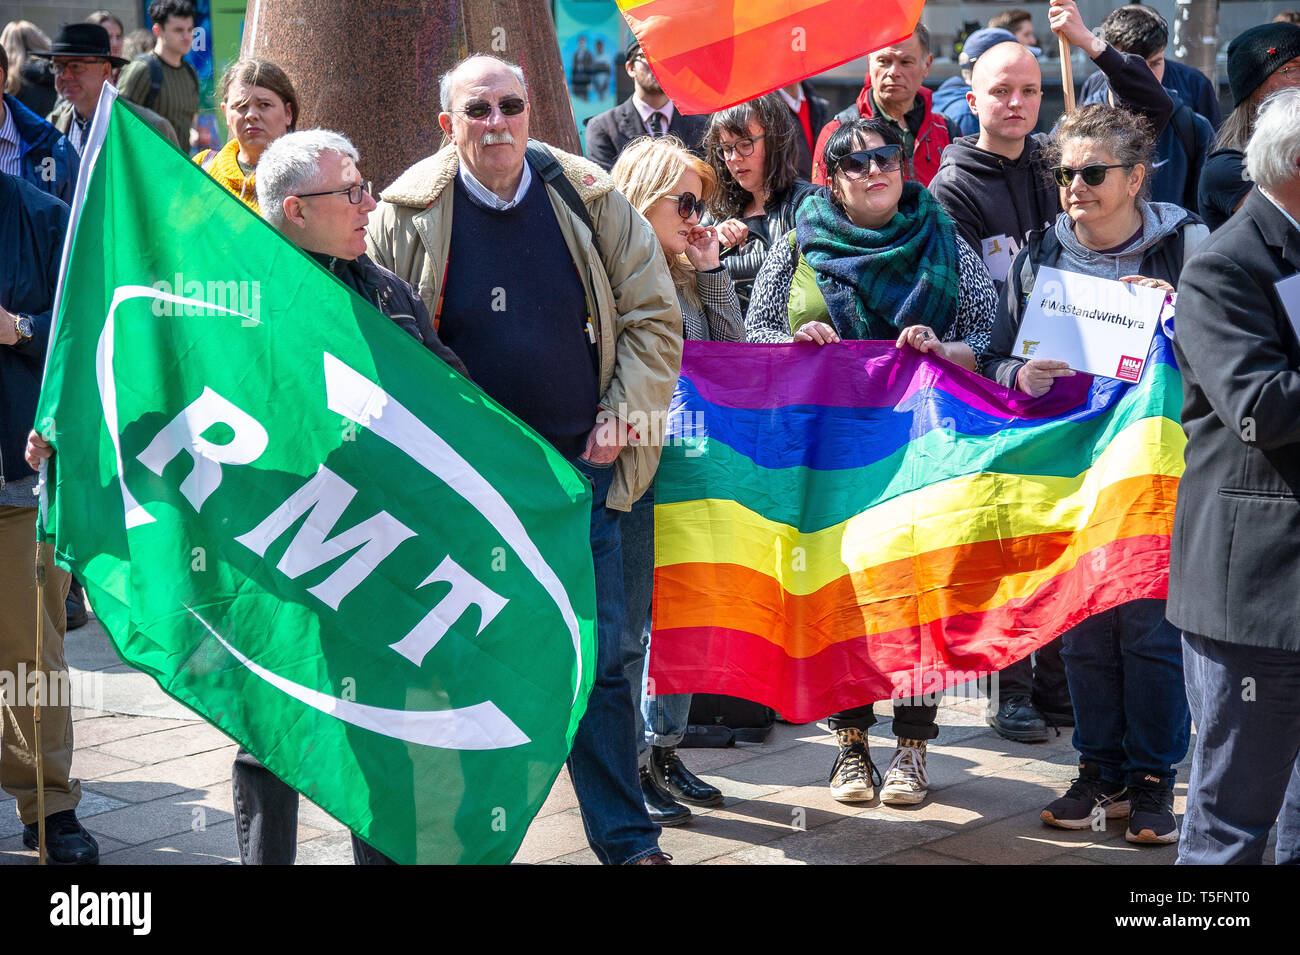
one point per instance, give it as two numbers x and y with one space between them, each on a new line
155 79
551 172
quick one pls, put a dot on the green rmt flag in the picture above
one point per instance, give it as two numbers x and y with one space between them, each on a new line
301 523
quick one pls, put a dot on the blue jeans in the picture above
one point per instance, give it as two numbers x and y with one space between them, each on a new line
1246 765
1125 668
602 764
660 720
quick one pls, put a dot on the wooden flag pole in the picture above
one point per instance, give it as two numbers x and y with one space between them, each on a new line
37 701
1067 73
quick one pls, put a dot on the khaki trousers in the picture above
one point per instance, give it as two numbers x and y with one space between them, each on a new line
17 656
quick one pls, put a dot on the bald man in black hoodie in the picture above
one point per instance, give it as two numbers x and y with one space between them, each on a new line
994 184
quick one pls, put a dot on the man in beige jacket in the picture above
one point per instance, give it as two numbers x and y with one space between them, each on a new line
556 295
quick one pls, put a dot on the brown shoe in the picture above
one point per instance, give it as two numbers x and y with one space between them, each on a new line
655 858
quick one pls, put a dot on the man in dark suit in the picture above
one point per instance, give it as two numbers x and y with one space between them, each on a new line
1234 586
647 112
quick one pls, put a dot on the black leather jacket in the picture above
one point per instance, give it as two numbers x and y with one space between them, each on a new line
744 261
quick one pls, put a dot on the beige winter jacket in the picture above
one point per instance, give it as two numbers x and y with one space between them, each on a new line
629 290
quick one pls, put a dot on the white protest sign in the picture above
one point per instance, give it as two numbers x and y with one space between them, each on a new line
997 252
1099 326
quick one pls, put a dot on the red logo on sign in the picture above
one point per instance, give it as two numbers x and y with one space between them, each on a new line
1130 369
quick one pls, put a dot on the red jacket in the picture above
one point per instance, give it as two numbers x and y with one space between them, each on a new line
932 135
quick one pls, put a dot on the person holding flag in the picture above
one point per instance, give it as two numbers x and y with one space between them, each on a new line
1124 666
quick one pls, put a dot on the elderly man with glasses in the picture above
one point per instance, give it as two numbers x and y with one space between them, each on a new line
557 295
82 65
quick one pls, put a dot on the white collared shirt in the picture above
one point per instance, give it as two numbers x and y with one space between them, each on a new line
794 102
487 197
11 146
1294 224
646 111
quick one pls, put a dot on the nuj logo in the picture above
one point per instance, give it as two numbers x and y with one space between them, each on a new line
1130 368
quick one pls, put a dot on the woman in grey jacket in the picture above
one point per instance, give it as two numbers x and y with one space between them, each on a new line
1124 666
669 186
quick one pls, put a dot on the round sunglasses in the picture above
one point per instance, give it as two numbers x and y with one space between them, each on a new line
688 205
1093 175
857 165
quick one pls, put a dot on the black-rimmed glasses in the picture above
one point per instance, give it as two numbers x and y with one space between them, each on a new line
355 193
741 147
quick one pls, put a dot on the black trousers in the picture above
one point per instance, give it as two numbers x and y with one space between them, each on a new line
912 720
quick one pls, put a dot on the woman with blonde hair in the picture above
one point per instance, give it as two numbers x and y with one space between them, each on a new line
669 187
29 79
260 106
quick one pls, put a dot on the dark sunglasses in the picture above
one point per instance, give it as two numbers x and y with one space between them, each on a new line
857 165
688 205
1093 175
509 107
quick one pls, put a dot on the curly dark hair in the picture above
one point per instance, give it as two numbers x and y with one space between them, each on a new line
1127 136
779 140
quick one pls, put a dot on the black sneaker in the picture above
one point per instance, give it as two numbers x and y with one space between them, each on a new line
1018 719
1088 796
1151 810
66 841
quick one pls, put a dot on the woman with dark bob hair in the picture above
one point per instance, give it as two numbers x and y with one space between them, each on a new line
753 148
875 257
1124 666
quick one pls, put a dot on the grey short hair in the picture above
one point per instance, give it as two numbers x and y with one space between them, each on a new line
1274 147
291 165
446 80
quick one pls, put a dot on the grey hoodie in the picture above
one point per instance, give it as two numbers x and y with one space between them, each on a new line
1159 219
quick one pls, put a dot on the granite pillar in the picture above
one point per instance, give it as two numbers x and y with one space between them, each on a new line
370 70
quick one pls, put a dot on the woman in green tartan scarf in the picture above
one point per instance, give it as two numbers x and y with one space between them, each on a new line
874 257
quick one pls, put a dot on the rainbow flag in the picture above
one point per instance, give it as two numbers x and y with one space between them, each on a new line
839 525
711 54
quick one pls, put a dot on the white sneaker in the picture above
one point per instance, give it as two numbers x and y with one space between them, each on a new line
851 774
906 780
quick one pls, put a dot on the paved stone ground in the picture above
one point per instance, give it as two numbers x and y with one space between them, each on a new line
156 790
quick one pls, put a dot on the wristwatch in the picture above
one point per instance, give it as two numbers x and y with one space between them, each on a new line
23 326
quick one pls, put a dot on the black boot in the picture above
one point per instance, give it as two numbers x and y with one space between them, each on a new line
1017 719
675 779
661 806
75 606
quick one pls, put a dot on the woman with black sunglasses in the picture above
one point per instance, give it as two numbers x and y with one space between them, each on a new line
753 148
875 257
1124 666
669 186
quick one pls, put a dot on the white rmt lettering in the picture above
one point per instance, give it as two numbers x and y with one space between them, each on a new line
324 499
466 592
185 433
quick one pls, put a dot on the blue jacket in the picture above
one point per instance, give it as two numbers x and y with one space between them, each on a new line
31 242
42 142
1176 175
950 100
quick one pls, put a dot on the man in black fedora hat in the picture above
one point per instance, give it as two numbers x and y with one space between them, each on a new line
83 63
